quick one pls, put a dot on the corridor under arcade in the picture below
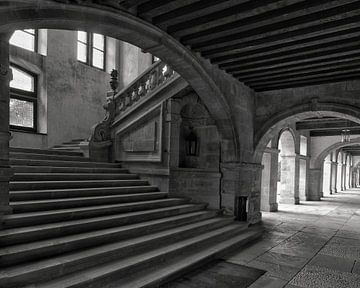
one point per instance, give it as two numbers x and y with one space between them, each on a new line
312 245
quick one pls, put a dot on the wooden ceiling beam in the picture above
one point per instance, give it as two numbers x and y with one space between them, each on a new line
193 11
285 37
308 52
314 81
269 16
291 60
309 23
287 67
313 70
326 39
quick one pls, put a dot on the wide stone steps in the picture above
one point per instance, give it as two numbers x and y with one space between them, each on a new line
37 185
171 269
45 231
50 169
60 163
78 223
71 176
121 258
42 217
65 203
23 195
117 245
63 157
43 151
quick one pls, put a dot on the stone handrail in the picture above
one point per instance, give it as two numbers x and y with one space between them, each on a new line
118 102
152 78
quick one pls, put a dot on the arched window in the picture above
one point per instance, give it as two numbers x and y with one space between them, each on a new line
23 100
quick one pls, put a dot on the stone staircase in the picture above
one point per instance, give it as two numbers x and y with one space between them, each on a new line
72 146
78 223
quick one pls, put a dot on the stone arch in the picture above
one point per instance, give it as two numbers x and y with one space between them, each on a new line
124 26
297 113
334 147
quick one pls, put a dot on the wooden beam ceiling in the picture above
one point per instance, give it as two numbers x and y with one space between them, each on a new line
267 44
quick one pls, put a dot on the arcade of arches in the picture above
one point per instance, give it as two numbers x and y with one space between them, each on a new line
244 124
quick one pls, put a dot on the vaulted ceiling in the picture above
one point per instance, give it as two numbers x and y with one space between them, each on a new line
267 44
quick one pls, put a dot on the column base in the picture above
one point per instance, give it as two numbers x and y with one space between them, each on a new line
272 207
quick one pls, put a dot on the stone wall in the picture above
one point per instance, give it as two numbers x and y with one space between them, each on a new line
71 93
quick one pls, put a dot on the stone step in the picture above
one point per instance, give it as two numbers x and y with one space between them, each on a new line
13 236
19 155
105 274
50 169
38 185
170 270
67 148
58 163
177 227
43 151
71 176
65 203
24 195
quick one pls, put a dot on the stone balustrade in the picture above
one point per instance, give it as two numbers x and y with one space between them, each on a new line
143 86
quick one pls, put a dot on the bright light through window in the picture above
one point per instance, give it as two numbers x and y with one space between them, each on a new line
22 80
24 38
91 49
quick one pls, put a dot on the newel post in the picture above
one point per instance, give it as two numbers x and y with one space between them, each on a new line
101 141
5 170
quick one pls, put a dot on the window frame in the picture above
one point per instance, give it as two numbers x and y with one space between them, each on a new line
89 50
36 40
25 96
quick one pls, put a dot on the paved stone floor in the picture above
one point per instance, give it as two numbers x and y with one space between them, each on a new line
315 245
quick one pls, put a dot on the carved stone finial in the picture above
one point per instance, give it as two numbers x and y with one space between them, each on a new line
114 84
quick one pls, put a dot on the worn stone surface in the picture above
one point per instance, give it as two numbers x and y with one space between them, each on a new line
312 245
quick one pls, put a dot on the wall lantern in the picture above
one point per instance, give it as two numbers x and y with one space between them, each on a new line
191 142
345 135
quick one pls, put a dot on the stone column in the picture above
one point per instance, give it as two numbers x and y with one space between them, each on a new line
314 184
241 181
269 180
350 176
333 177
5 170
343 177
327 177
289 193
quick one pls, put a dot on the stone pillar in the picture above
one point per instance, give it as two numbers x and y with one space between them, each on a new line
269 180
343 177
5 170
314 184
333 177
241 180
351 168
327 178
289 193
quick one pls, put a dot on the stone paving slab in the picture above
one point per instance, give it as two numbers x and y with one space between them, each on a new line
267 281
320 277
343 247
283 259
218 274
334 263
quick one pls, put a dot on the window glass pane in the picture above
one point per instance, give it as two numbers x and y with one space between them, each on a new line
98 59
82 36
21 113
98 41
31 31
22 80
23 40
81 52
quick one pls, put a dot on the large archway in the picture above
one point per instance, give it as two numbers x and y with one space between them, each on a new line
121 25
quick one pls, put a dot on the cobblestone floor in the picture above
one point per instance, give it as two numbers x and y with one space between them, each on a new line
314 245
